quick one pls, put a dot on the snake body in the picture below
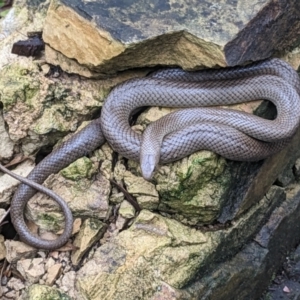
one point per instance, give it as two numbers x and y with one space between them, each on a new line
235 135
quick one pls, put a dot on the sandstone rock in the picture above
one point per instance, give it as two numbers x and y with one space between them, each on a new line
120 222
255 264
7 146
91 231
194 187
12 295
2 248
53 273
2 213
67 284
126 210
16 284
164 251
144 191
50 262
31 269
109 37
154 256
76 225
297 168
81 168
42 292
15 251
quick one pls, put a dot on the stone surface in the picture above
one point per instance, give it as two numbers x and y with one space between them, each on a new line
16 250
7 146
255 264
164 250
31 269
144 191
106 37
2 248
16 284
43 292
156 255
67 284
53 273
90 232
126 210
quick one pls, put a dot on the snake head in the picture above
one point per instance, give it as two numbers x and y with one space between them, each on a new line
148 164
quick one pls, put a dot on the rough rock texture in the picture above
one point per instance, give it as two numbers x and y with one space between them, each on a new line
90 232
106 37
16 250
43 292
208 229
160 245
31 269
256 264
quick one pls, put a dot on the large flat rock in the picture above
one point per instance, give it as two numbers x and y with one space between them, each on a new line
110 36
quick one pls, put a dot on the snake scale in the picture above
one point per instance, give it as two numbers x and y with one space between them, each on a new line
234 135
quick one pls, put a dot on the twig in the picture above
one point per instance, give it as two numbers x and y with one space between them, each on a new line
128 197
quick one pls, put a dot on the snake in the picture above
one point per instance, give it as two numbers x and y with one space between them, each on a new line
232 134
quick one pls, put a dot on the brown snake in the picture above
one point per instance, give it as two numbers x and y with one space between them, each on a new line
235 135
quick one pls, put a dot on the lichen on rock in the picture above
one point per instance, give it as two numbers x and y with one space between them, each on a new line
81 168
44 292
194 187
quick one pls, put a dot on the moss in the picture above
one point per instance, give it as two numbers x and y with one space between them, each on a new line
51 221
17 86
200 183
81 168
43 292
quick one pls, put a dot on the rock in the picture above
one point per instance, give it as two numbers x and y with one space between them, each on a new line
53 273
2 213
16 284
86 198
7 146
250 271
44 292
76 225
90 232
116 197
297 254
46 68
81 168
8 184
165 251
120 223
2 248
297 169
144 191
293 58
108 37
126 210
12 295
50 262
194 187
15 251
67 284
286 177
31 269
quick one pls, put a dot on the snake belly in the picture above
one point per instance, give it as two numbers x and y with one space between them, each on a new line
176 88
